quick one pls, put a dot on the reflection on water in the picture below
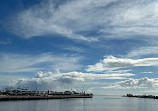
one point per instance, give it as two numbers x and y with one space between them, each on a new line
97 103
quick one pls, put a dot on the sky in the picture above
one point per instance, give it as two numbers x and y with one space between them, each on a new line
103 46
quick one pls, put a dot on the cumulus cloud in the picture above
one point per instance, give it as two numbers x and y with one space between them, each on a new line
50 80
113 63
108 18
13 63
138 83
5 78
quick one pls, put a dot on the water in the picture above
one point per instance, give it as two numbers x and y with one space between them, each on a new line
97 103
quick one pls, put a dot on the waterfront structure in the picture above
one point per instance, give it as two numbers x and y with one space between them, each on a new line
35 95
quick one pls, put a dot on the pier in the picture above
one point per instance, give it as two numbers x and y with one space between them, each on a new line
41 95
9 98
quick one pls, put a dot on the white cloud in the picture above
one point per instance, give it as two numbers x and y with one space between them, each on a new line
147 72
135 18
108 18
5 78
138 83
12 63
151 50
55 80
113 63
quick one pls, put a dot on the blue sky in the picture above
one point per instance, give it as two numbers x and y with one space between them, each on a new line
109 45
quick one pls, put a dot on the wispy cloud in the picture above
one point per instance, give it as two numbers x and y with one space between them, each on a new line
11 63
147 72
113 63
72 48
143 51
5 42
109 19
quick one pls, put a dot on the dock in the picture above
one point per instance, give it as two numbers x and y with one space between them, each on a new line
21 94
9 98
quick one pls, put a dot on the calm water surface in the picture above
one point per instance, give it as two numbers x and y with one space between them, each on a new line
97 103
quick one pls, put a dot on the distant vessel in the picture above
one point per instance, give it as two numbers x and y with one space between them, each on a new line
142 96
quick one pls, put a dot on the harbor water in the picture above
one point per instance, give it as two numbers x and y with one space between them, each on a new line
97 103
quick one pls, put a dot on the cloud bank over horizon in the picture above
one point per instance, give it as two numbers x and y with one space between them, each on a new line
138 83
89 81
50 80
